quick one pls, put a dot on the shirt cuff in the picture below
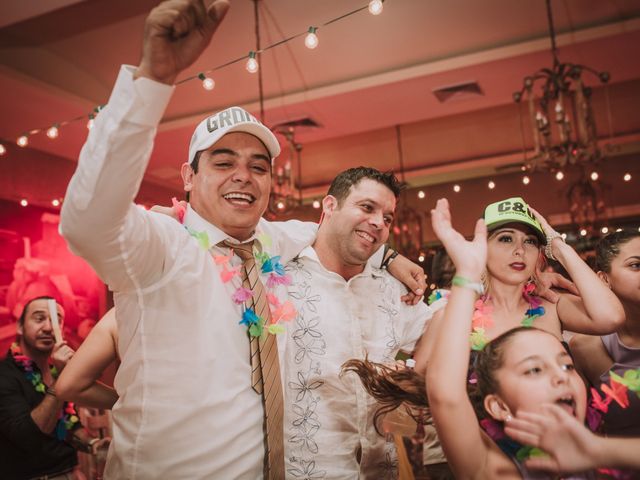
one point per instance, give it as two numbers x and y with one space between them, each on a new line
142 101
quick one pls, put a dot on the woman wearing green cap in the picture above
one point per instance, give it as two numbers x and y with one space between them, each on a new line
518 240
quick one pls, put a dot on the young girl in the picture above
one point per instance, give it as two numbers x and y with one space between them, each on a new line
618 262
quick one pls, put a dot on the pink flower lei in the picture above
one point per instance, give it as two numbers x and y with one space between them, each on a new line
269 265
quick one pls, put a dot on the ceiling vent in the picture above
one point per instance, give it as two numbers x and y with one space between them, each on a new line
459 91
298 124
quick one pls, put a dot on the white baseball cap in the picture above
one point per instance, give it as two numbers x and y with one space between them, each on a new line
233 119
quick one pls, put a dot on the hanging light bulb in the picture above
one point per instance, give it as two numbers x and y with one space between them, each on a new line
311 40
22 141
421 194
280 205
456 188
52 132
626 178
583 232
564 236
559 175
604 230
207 82
24 202
252 63
55 202
421 257
594 175
491 185
3 150
316 204
526 180
375 7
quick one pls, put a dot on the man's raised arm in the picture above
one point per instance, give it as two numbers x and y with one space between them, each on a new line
98 218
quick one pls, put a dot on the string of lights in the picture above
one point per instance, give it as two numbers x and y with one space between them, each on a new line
311 41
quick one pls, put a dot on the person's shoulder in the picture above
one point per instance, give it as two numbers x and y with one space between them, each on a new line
8 369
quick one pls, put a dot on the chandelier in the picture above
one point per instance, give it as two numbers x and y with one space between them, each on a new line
407 229
285 193
561 116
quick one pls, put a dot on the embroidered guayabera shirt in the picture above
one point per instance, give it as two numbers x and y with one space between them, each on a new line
186 408
328 423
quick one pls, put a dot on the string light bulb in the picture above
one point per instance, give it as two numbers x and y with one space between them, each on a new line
583 232
594 176
52 132
375 7
55 202
280 205
316 204
24 202
22 141
252 63
421 194
3 150
421 257
559 175
456 188
526 180
311 40
208 83
604 230
626 178
491 185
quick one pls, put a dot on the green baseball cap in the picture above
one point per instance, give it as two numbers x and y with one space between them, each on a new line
512 210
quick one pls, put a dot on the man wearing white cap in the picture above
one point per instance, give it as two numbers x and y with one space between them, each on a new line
191 403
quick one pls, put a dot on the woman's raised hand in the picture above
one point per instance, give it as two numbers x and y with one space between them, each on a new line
469 257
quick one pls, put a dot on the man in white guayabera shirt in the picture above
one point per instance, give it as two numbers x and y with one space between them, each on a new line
345 309
186 406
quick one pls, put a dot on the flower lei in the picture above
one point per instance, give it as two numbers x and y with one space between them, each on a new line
510 447
482 314
483 319
68 417
618 391
280 311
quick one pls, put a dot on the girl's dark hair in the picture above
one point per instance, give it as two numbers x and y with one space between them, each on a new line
608 248
390 387
393 388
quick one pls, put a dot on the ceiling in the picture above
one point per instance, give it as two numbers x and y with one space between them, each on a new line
59 60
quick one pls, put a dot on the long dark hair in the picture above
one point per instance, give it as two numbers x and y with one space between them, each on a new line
393 388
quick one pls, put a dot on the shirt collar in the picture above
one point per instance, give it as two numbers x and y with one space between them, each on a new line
310 253
195 223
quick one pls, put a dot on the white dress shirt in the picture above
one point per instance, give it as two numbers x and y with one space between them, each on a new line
186 408
328 419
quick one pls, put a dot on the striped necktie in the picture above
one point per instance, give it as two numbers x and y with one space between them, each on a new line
265 367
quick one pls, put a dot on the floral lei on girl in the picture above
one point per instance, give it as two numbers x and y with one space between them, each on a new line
269 265
483 318
68 417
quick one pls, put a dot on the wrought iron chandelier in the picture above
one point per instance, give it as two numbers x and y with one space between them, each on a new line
561 116
286 194
407 229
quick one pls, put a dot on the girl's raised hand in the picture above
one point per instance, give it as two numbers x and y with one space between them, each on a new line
469 257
